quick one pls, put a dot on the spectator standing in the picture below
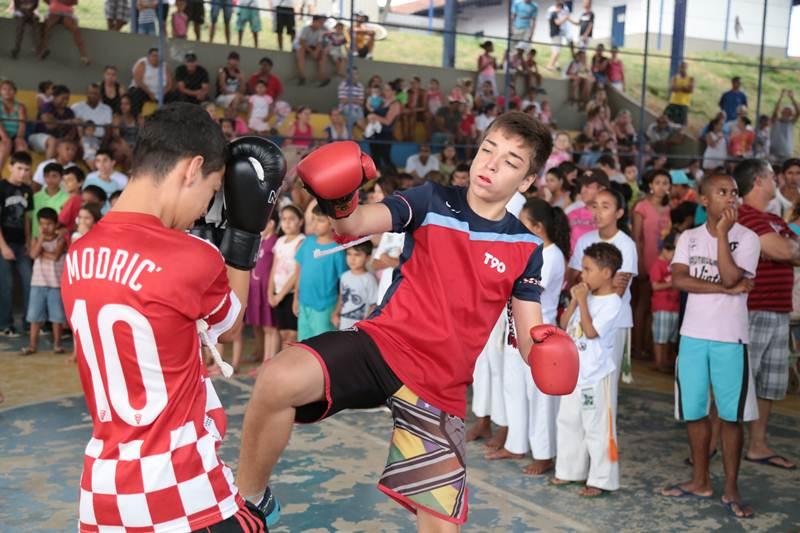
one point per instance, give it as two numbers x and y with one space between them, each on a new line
557 17
616 70
787 195
145 85
283 276
44 303
180 20
358 289
487 66
248 13
523 20
387 115
284 20
665 305
784 119
309 43
25 14
118 13
579 212
12 122
742 137
196 13
351 99
230 83
191 80
716 151
730 100
16 205
62 12
769 303
762 144
600 66
414 111
586 24
418 165
680 98
226 6
259 313
93 109
72 180
146 21
51 195
715 264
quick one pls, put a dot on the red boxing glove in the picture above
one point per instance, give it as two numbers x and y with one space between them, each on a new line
553 360
333 173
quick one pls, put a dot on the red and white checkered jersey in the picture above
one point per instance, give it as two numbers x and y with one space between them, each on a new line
134 292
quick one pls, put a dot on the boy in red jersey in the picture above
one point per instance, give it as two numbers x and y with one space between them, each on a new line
464 256
135 309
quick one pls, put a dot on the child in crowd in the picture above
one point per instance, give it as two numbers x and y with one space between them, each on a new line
609 217
358 289
50 196
374 101
45 94
67 217
337 48
259 110
88 215
557 188
487 65
631 173
92 194
715 263
102 181
665 306
113 198
180 21
562 151
259 313
283 277
89 143
105 163
546 114
587 425
44 301
579 213
317 285
16 201
66 155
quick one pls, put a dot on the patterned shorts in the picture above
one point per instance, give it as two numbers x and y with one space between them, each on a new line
118 10
425 468
769 353
665 327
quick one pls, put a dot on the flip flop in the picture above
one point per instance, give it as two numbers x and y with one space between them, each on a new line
58 350
27 351
729 507
769 461
683 493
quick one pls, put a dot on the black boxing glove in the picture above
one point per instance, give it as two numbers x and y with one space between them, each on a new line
254 175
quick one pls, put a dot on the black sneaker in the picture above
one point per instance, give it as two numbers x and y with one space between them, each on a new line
10 333
271 507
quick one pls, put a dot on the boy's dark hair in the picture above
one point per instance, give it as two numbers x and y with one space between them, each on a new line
106 152
535 135
606 255
791 162
53 167
44 85
567 167
89 124
317 210
669 241
683 211
47 213
77 172
98 193
23 158
94 210
594 175
114 196
365 247
461 167
58 90
607 160
746 173
175 132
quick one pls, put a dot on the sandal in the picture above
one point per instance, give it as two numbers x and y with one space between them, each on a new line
58 350
27 351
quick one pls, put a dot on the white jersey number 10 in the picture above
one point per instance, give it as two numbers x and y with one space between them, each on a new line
144 344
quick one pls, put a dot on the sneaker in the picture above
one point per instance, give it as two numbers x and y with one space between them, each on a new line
271 507
9 332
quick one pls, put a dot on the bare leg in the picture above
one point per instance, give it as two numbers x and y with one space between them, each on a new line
758 447
481 429
227 32
211 31
700 484
241 33
72 26
237 352
280 41
732 439
427 523
661 352
58 328
498 439
292 379
197 31
259 354
33 343
255 39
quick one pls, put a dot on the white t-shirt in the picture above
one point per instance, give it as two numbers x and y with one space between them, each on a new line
391 244
359 293
597 354
284 264
482 122
100 115
413 164
716 316
117 177
553 269
630 262
38 176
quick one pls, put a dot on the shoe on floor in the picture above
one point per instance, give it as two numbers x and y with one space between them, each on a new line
271 507
9 332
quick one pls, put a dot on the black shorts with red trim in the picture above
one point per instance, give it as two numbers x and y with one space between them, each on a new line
356 375
247 520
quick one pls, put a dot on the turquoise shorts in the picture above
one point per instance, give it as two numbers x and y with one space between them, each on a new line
721 367
248 15
312 322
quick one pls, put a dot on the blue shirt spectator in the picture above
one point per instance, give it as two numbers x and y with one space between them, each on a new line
731 100
525 13
319 277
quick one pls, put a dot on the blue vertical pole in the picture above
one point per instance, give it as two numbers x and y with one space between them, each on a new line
640 136
450 20
660 24
678 36
727 25
761 61
430 17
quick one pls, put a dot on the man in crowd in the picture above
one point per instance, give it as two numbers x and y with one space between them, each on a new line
784 119
523 20
56 121
95 110
680 97
418 165
192 80
351 99
309 43
264 73
365 37
730 101
147 82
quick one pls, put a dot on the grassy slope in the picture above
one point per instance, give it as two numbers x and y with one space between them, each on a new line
423 49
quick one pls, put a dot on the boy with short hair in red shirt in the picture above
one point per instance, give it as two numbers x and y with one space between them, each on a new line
665 304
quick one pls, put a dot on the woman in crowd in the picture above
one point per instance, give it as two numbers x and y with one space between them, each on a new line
12 122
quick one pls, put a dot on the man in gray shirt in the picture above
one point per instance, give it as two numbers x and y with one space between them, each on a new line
310 43
783 121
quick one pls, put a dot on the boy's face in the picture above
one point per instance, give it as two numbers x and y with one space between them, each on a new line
88 131
87 197
322 226
104 164
594 276
47 227
20 173
52 180
589 191
501 167
66 152
668 255
71 184
631 173
605 211
356 259
719 193
460 178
